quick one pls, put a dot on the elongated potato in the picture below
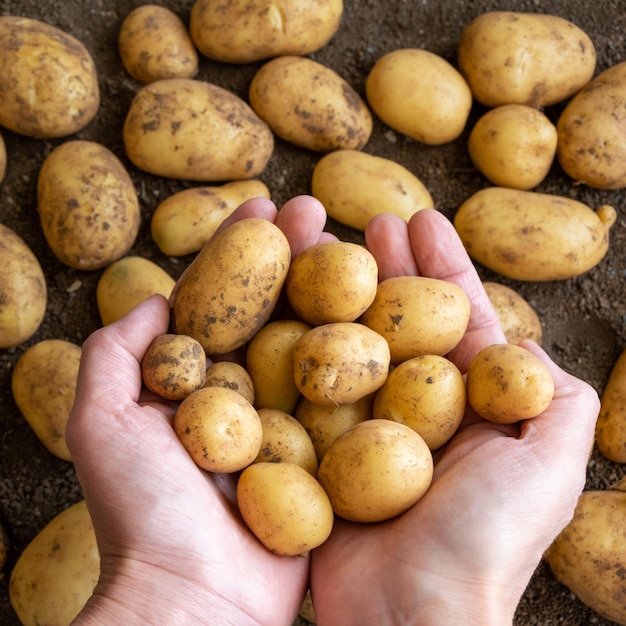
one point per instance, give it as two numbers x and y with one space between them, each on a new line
527 235
611 424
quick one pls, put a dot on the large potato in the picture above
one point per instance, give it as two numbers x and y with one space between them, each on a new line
88 205
355 186
512 57
611 424
310 105
48 79
23 290
527 235
241 31
58 570
591 129
419 94
193 130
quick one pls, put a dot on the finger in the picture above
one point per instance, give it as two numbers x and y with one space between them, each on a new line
302 219
255 207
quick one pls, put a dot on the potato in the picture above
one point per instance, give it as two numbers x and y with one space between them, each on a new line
533 236
23 290
513 145
154 43
269 360
590 129
229 292
517 318
427 394
376 470
58 570
340 363
310 105
418 315
3 158
186 220
127 282
48 80
284 507
355 186
44 385
285 441
589 555
307 611
174 366
219 428
503 54
333 281
243 32
189 129
419 94
611 424
231 375
506 384
88 205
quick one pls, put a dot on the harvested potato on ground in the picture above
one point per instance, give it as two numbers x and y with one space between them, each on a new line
23 290
44 385
87 205
127 282
355 186
189 129
284 507
502 55
418 93
310 105
418 315
376 470
219 428
58 570
517 318
533 236
186 220
513 146
611 424
154 43
230 290
48 80
506 384
333 281
591 129
244 32
231 375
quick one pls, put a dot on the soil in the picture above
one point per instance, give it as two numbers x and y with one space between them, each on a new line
583 318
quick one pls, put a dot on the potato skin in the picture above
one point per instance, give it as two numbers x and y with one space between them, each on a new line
36 58
611 424
231 375
502 55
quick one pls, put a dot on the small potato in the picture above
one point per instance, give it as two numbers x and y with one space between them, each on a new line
284 507
503 54
611 424
44 385
332 281
506 384
87 204
244 32
355 186
186 220
219 428
418 315
533 236
48 80
231 375
340 363
154 43
3 158
376 470
23 290
513 146
189 129
517 318
418 93
174 366
127 282
427 393
310 105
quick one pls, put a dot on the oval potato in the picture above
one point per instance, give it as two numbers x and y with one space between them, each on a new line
231 375
611 424
3 158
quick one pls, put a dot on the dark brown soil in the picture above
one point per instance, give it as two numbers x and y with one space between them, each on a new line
584 319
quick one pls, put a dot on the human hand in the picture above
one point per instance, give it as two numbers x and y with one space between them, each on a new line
500 493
